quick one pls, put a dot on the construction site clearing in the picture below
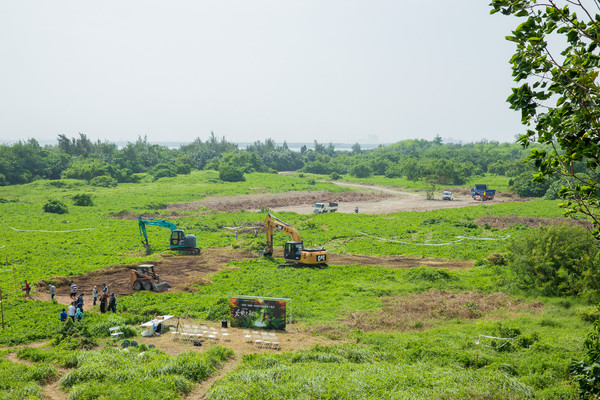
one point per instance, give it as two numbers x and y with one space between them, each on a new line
183 273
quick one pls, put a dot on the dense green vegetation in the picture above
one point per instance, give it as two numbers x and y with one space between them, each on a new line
451 361
384 351
105 165
41 245
112 373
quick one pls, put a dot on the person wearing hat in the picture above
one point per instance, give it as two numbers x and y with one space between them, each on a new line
95 294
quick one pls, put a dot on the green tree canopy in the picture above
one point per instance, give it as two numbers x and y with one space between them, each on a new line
556 63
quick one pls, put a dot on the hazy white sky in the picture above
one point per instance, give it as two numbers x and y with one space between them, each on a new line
339 71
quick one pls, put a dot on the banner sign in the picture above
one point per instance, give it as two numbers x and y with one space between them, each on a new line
257 313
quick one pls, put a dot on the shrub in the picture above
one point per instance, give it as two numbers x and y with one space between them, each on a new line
335 176
586 372
184 169
104 181
163 170
83 200
55 207
360 171
164 173
231 173
551 261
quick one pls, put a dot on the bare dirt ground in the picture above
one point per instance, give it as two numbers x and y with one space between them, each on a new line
276 201
183 272
372 200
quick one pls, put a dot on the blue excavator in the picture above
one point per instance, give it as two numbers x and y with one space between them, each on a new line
179 240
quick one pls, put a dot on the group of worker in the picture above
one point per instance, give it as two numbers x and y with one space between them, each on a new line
75 309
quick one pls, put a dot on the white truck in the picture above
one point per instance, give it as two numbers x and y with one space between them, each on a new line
319 208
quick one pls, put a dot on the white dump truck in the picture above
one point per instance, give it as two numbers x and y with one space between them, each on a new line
320 208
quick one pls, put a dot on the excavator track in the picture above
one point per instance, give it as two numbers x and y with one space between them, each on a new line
299 265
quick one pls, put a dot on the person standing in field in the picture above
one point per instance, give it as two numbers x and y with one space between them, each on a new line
72 311
105 289
79 303
63 316
79 314
95 294
103 298
27 288
73 290
112 304
52 289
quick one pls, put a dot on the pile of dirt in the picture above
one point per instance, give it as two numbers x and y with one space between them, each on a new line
420 311
256 202
507 222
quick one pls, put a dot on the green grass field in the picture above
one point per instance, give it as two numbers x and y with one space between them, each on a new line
400 333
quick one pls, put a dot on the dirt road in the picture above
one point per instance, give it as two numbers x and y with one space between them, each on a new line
392 200
371 200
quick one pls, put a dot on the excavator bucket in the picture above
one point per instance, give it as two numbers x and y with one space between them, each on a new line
160 287
147 247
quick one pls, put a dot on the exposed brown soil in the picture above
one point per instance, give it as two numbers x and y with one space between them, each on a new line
260 201
370 199
181 272
506 222
184 272
420 311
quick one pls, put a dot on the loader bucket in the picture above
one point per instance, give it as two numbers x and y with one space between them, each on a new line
160 287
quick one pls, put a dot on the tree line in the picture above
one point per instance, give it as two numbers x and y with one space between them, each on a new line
104 163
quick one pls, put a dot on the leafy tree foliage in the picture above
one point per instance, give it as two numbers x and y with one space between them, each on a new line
87 168
557 260
586 372
556 60
80 158
524 186
360 171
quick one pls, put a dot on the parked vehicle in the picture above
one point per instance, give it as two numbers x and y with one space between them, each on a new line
482 193
320 208
446 195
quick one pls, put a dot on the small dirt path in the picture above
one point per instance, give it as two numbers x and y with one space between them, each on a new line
52 389
201 390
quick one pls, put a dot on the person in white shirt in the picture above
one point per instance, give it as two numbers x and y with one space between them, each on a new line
72 310
52 291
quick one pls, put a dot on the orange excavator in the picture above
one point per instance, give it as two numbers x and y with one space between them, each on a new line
294 253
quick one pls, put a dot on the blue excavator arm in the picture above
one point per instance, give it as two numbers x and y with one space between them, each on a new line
143 221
